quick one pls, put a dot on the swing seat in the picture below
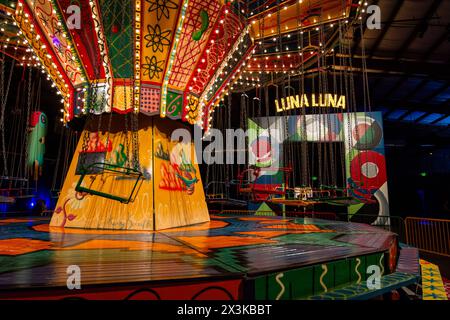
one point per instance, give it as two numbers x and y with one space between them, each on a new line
269 191
293 202
246 190
342 201
18 179
119 173
215 196
8 200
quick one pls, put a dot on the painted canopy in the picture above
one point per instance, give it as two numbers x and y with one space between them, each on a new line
173 58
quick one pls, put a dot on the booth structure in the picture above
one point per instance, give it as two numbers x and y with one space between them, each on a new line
168 193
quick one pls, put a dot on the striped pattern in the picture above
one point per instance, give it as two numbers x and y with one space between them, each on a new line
432 284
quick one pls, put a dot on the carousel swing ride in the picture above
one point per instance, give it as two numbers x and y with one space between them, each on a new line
138 70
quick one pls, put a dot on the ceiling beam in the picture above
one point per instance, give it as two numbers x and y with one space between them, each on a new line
395 87
403 116
407 68
410 107
442 38
426 114
387 113
428 15
437 92
386 27
440 119
419 87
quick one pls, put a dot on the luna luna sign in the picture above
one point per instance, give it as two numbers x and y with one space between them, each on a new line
325 100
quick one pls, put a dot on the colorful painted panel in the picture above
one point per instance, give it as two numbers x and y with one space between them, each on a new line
37 40
170 194
363 143
305 282
233 63
50 22
85 39
179 196
117 18
160 19
200 19
432 284
229 27
81 210
174 104
150 99
123 96
97 44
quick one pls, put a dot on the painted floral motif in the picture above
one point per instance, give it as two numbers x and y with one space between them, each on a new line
157 39
178 173
77 200
161 7
152 67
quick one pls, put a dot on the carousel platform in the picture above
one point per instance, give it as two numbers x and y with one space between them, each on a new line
230 257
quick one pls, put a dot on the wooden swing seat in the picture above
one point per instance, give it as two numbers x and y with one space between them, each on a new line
9 200
3 178
293 202
116 170
215 196
268 191
246 190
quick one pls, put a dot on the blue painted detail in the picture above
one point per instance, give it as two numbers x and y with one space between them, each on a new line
394 115
431 118
413 116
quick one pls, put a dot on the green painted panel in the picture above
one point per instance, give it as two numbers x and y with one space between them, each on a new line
117 16
278 286
323 278
174 105
341 272
293 284
301 283
260 288
357 269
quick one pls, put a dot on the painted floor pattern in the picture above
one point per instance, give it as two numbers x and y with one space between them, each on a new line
432 284
32 254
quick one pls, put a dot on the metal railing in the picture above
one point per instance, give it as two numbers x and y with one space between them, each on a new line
429 235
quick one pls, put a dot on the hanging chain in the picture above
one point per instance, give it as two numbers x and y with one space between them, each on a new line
2 120
26 121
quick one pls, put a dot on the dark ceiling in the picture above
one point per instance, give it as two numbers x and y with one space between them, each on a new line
409 62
